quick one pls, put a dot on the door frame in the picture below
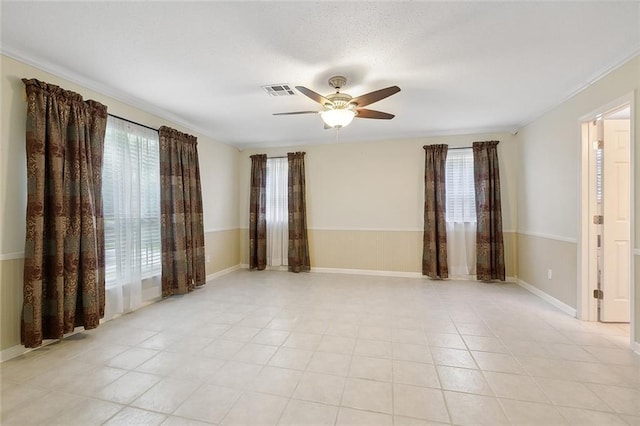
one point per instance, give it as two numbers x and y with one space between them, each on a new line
586 306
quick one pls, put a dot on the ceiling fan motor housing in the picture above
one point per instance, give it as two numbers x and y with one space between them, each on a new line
340 108
337 82
340 101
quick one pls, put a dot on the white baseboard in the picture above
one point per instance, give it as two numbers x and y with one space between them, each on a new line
13 352
507 279
268 268
399 274
350 271
547 297
17 350
373 272
223 272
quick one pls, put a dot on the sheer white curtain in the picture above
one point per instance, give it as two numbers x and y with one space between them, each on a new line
131 200
277 211
461 213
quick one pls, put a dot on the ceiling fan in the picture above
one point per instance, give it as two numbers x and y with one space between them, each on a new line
339 109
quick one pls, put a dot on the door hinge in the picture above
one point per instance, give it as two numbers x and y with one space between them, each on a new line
599 144
599 242
598 294
598 219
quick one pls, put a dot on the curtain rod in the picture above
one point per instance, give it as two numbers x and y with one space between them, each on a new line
461 147
132 122
282 156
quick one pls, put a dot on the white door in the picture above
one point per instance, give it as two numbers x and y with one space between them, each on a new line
616 251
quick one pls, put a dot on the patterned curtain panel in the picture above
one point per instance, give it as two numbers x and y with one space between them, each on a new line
434 241
64 248
298 242
489 243
257 215
182 227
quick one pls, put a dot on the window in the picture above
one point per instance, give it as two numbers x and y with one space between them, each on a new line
131 199
461 197
461 213
277 211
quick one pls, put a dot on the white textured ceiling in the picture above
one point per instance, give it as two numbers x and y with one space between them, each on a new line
462 67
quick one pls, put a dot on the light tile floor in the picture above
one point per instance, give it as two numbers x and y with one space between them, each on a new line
313 349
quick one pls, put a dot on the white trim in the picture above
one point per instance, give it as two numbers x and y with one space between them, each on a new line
206 231
400 274
586 309
504 231
635 346
281 268
104 90
586 282
223 272
353 272
366 229
633 326
361 229
623 59
12 256
489 131
371 272
547 297
507 279
14 352
549 236
17 350
268 268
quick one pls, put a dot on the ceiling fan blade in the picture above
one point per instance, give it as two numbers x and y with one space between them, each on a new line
313 95
296 112
371 97
369 113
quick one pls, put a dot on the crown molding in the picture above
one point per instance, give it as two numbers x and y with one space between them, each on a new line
595 77
67 74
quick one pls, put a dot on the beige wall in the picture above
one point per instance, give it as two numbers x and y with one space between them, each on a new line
637 295
376 185
549 156
10 302
218 168
536 255
222 250
365 200
392 251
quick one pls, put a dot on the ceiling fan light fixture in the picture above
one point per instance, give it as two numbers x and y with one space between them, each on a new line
338 118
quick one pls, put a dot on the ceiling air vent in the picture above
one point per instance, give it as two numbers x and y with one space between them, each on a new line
279 90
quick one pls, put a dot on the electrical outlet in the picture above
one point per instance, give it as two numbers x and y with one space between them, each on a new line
549 273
